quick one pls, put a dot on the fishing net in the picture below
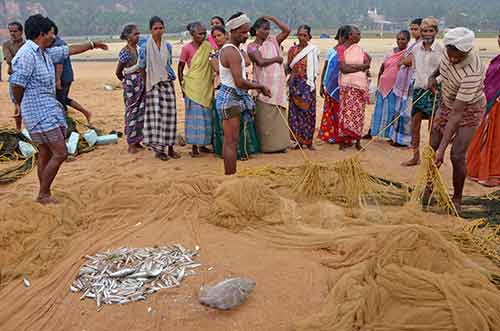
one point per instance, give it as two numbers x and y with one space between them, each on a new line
9 141
481 236
11 174
243 203
345 182
487 207
430 186
9 150
406 278
396 268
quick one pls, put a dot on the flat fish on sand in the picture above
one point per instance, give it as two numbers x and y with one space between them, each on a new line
227 294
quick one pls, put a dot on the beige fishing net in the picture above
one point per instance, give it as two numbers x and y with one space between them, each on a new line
392 268
399 269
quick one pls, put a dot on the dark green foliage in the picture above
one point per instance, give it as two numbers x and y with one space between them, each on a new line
92 17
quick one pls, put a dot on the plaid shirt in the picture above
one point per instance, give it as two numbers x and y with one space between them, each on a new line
34 70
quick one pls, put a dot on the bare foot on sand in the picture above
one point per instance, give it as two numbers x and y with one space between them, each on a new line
174 155
133 149
205 149
162 156
458 204
413 162
46 200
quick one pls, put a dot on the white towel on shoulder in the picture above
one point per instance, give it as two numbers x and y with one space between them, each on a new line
312 53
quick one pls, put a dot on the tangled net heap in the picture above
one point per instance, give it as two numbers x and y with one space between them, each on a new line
345 182
397 270
9 151
430 185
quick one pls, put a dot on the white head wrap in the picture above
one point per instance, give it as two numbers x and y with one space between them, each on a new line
237 22
461 38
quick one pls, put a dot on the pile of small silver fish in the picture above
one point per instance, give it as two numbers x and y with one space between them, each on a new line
131 274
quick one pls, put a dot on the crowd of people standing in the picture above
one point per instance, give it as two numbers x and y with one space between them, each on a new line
236 111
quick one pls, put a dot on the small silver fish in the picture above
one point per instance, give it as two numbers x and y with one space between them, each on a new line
127 275
192 266
180 276
123 272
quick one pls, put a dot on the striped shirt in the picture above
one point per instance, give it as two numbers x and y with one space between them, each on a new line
463 81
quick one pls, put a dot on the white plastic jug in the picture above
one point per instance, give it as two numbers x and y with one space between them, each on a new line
107 139
26 133
72 143
91 137
27 150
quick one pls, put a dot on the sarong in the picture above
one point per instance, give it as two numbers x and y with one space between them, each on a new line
302 111
198 128
401 132
483 157
384 115
135 102
248 143
160 120
425 104
329 127
352 113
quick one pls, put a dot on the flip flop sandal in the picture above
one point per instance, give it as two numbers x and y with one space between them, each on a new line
194 155
162 156
175 155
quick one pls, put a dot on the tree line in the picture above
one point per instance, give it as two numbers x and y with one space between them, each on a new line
92 17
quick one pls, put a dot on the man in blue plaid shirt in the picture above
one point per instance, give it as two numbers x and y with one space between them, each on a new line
34 89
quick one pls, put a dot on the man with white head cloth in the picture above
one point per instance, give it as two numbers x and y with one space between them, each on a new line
463 103
233 98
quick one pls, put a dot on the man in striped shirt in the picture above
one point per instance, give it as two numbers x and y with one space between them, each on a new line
463 103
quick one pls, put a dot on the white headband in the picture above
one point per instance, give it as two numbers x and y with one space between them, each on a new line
236 22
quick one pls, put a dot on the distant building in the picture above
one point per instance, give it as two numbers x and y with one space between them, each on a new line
378 22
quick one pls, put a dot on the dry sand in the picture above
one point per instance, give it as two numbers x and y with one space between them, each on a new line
110 198
487 47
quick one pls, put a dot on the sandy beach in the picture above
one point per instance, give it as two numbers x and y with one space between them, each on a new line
109 199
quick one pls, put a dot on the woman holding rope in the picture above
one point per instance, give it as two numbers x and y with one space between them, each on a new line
387 100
